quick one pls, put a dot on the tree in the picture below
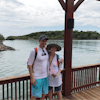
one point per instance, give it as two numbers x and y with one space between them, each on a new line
2 37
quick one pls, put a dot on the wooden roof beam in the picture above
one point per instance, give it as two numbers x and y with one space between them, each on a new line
63 4
77 4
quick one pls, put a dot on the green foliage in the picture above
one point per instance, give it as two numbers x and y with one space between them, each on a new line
59 35
10 38
86 35
2 37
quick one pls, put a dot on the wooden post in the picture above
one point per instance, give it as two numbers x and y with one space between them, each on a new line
68 47
69 8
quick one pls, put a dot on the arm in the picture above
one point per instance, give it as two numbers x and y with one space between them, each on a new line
61 61
58 73
33 82
60 66
30 62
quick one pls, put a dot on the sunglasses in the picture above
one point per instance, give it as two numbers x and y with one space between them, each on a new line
43 54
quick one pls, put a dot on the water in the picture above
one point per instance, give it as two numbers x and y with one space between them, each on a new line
13 63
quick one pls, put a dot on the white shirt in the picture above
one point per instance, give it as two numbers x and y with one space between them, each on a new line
54 82
40 64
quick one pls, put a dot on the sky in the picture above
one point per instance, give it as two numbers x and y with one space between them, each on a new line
21 17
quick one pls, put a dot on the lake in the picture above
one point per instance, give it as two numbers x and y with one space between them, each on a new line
13 63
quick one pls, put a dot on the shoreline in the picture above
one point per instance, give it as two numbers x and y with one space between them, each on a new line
54 39
4 47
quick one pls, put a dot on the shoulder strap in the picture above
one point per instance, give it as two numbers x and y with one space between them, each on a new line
35 55
57 59
34 58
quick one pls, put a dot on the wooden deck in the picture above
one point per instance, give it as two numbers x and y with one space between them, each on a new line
89 94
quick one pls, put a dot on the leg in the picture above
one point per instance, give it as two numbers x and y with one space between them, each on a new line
33 98
43 97
50 95
36 91
59 95
44 88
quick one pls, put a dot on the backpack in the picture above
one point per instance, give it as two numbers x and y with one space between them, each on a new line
57 60
36 56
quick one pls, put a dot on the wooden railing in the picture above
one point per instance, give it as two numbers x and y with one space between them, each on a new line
84 77
17 88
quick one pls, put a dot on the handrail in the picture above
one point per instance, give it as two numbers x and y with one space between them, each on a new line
17 78
19 83
86 66
86 85
14 79
84 77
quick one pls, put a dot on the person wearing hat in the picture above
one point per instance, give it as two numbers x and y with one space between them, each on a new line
54 70
38 71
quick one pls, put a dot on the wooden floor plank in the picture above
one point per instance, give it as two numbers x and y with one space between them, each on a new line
65 98
89 94
76 97
95 92
70 97
97 88
84 95
77 94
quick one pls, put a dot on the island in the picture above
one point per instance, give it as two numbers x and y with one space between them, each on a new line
59 35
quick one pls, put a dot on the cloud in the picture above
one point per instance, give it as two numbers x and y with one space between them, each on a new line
88 13
32 13
20 15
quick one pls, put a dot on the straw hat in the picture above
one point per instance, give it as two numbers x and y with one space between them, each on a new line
53 45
